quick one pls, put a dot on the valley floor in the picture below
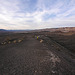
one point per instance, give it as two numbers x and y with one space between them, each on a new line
32 57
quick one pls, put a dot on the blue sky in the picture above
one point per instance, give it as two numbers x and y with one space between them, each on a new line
36 14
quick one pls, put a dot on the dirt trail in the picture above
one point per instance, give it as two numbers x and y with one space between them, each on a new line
31 57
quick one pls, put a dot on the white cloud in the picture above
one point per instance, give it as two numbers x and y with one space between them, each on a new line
12 18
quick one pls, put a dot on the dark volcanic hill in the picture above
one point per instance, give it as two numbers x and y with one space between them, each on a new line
2 30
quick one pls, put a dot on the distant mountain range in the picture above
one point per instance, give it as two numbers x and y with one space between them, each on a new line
63 29
2 30
13 31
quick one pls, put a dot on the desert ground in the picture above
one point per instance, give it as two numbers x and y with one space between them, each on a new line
37 53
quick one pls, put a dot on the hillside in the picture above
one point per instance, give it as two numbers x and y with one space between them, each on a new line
63 29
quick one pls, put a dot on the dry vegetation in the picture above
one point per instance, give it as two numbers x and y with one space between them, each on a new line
12 38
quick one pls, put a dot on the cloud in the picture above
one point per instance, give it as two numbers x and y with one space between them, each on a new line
34 14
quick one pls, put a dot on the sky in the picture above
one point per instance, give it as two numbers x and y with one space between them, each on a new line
36 14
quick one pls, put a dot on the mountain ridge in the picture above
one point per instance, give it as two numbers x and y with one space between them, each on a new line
62 29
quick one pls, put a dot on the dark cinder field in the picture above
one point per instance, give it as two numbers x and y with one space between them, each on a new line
52 53
65 39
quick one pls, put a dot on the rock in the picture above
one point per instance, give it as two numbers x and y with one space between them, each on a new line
41 41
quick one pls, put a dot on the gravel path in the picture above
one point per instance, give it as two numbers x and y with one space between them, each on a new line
30 57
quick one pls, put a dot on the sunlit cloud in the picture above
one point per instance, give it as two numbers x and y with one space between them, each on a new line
36 14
